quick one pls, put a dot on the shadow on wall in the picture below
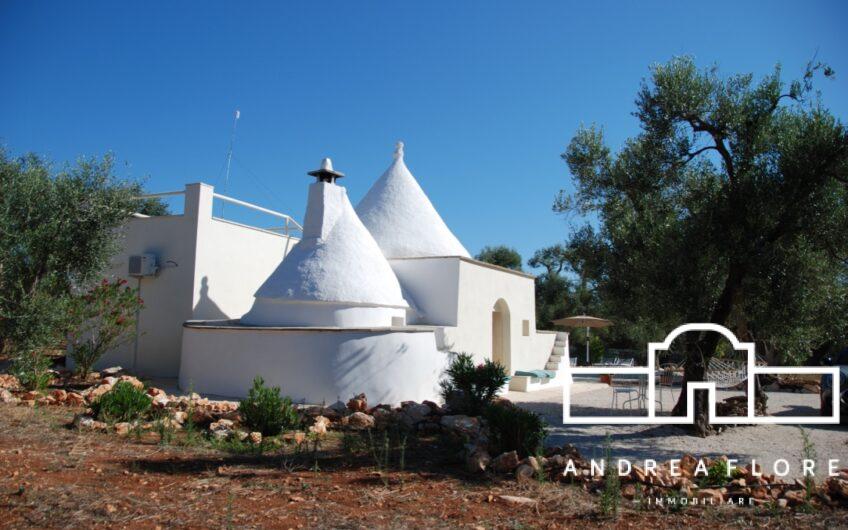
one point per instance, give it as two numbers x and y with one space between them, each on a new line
206 308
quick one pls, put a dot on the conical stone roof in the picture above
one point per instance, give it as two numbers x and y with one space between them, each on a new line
336 261
402 219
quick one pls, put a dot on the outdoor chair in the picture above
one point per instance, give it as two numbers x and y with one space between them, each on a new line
627 391
666 381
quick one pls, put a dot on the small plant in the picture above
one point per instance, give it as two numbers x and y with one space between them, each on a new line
103 318
611 494
32 368
123 403
515 429
541 476
383 448
808 452
353 444
468 389
234 445
717 475
381 453
192 435
264 410
165 428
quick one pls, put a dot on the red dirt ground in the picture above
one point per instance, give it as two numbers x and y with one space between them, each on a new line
55 477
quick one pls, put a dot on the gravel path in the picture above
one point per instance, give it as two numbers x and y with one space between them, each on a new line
764 443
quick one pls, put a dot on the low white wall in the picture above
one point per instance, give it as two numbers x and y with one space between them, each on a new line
317 366
209 269
269 312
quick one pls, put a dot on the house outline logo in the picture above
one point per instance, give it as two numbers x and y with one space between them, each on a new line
649 371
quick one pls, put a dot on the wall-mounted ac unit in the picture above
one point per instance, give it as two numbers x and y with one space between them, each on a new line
143 265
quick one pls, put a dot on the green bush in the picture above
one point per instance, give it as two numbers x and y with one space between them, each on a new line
264 410
514 429
123 403
103 318
717 475
468 389
32 368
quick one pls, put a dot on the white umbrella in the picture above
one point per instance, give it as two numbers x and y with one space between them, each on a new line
586 321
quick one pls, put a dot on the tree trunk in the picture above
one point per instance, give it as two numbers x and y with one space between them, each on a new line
700 351
695 370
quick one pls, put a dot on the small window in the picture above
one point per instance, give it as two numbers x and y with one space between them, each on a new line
398 322
525 328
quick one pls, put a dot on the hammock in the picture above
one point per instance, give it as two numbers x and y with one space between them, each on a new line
728 373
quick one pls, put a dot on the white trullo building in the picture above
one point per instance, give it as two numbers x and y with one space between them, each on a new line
368 300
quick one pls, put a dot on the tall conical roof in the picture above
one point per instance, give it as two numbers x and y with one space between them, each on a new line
402 219
336 261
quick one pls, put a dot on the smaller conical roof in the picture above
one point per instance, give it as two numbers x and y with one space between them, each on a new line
336 261
402 219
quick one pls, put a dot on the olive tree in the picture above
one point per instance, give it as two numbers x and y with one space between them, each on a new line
729 206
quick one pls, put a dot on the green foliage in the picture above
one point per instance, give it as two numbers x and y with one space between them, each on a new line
717 475
469 388
512 428
728 207
152 207
387 451
233 445
611 494
596 348
808 452
266 411
501 256
103 318
57 233
123 402
563 288
32 368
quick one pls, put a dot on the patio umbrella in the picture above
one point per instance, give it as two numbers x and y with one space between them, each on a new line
581 321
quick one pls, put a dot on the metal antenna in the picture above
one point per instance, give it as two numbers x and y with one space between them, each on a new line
230 157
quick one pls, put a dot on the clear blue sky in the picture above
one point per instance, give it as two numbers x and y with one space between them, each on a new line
485 94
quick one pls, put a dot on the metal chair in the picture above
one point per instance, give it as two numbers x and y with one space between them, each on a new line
628 390
666 381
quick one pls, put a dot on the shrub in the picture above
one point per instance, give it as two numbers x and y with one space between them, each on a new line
514 429
32 369
264 410
123 403
58 231
717 475
468 389
103 318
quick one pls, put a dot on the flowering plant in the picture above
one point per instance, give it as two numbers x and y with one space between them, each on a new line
103 318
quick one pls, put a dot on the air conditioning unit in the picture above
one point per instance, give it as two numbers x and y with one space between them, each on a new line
143 265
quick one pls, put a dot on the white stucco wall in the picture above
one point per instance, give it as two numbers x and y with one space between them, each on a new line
216 268
480 288
167 297
433 285
459 294
313 365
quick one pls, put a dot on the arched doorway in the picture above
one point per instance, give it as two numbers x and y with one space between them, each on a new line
500 334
